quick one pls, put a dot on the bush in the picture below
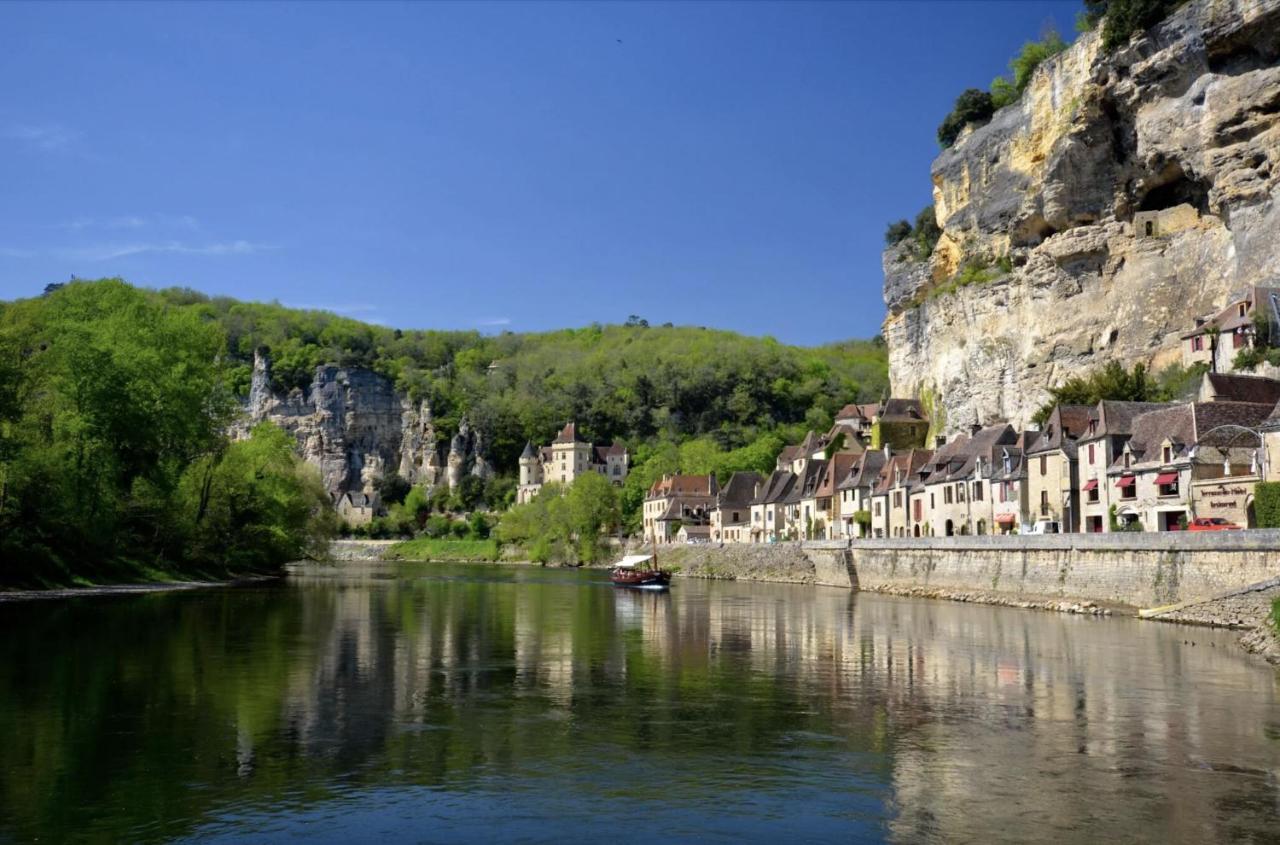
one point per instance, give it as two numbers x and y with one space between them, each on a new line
897 232
972 106
1266 504
1122 18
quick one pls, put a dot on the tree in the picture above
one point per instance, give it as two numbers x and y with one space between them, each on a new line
1112 382
973 106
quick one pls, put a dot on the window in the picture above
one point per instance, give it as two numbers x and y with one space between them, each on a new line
960 492
877 508
897 499
1044 464
977 491
1237 340
1169 488
1151 228
1197 343
1004 491
1090 453
1044 502
1166 454
1242 309
946 495
1093 495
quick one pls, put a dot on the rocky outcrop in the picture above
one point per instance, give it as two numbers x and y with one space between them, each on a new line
1041 273
357 429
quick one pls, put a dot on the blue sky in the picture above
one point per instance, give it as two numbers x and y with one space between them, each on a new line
518 166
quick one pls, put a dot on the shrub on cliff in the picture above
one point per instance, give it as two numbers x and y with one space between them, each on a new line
972 106
1122 18
897 232
1033 53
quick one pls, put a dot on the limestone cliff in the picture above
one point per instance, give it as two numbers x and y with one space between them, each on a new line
1046 267
353 425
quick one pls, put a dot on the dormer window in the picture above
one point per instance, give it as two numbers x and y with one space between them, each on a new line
1243 306
1167 454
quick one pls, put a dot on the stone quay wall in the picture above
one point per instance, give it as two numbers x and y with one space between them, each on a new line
1134 570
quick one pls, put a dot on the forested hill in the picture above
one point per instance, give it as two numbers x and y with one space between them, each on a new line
632 382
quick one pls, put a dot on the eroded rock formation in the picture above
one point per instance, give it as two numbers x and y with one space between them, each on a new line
353 425
1047 207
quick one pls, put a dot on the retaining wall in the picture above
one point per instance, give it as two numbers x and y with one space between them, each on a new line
1138 570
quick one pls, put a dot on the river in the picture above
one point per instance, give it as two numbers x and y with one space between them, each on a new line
444 703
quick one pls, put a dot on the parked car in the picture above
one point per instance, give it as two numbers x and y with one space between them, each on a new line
1211 523
1045 526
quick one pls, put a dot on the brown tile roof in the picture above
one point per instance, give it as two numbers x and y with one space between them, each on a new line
864 471
1239 388
775 489
1115 418
740 490
684 485
807 483
1229 319
1066 424
903 410
838 467
856 412
568 434
906 463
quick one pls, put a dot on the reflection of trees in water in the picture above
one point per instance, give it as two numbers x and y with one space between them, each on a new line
981 721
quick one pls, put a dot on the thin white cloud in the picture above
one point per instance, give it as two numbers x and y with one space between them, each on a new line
106 252
49 137
494 321
133 221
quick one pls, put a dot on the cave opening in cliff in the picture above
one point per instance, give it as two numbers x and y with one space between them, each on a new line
1174 187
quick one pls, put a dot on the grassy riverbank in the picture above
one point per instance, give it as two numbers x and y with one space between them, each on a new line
426 548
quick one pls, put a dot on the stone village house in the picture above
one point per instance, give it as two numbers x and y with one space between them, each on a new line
1052 474
1218 339
673 499
731 518
854 492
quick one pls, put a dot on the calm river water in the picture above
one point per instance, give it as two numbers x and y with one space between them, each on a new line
435 703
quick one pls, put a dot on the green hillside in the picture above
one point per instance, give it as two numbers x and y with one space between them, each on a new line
634 383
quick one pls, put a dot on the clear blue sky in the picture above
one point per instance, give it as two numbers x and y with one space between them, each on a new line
511 165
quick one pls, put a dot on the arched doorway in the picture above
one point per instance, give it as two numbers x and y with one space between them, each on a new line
917 530
951 529
982 526
1251 516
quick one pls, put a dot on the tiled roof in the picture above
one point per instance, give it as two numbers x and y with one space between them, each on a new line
838 467
1229 319
528 450
807 484
1239 388
740 490
1115 418
1066 424
856 412
684 485
568 434
775 489
1211 415
903 410
864 471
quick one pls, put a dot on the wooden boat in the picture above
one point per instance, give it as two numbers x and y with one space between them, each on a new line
640 571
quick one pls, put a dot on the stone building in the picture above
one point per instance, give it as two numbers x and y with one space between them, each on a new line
854 491
568 457
769 509
1052 472
731 517
675 498
1217 339
1110 427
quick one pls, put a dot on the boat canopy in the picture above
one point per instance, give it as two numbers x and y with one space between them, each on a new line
632 561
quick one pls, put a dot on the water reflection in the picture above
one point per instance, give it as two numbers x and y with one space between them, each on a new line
447 703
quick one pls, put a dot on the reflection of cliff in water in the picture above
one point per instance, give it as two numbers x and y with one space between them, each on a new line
930 721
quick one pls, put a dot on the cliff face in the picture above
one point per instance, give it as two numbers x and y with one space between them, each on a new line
353 425
1047 207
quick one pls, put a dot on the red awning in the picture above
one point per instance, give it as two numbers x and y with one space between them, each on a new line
1005 518
1167 478
1092 484
1126 481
